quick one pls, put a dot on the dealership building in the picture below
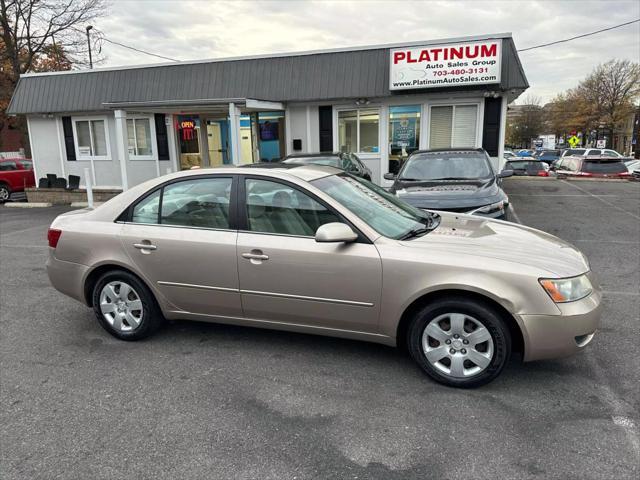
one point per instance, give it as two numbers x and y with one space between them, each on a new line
129 124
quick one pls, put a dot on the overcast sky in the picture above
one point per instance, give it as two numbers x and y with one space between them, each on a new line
190 30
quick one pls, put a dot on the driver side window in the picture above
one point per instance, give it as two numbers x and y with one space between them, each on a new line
274 207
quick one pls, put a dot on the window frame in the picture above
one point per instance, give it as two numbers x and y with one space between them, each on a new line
242 214
107 137
127 215
452 103
153 139
357 109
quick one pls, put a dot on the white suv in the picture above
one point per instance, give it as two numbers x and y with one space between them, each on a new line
584 152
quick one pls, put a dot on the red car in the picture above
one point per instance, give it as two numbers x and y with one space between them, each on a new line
597 166
15 175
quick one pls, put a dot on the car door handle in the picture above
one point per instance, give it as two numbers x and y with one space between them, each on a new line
144 246
255 256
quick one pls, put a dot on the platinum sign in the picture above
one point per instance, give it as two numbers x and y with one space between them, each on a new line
448 65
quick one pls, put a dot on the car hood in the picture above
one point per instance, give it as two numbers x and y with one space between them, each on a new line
461 234
451 193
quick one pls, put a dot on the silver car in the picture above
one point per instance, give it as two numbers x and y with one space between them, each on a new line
313 249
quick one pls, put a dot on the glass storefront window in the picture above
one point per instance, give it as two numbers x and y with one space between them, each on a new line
453 126
404 134
271 138
91 138
139 134
188 128
358 130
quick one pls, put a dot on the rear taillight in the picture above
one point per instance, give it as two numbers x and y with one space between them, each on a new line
53 235
543 173
624 174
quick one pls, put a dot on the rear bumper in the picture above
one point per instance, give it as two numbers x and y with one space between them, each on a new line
67 277
556 336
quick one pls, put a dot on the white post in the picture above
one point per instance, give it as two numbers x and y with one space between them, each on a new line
89 187
307 141
234 133
122 145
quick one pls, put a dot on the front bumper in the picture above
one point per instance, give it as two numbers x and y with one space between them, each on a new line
556 336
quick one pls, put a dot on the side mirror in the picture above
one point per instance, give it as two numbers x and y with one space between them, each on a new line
389 176
505 174
335 232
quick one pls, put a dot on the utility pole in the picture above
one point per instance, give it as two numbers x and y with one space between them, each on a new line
89 27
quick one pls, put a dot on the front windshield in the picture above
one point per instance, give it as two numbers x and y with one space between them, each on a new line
385 213
330 161
446 166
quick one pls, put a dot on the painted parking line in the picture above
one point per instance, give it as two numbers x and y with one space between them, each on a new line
629 294
601 199
514 215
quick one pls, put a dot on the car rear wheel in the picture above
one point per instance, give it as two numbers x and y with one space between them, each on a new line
5 192
459 342
125 307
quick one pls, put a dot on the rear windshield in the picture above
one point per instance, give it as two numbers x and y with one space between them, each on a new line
604 167
524 165
576 151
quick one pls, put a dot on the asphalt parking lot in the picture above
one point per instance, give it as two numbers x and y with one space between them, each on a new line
212 401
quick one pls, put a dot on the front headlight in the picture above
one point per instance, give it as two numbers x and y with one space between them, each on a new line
562 290
494 207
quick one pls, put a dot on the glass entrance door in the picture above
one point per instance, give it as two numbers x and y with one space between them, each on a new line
218 141
188 128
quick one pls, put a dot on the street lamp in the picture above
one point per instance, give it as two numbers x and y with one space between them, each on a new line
89 27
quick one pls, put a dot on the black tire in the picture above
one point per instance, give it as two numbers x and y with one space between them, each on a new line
480 312
151 318
5 192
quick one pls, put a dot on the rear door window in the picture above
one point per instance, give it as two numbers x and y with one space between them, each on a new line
604 167
610 153
200 203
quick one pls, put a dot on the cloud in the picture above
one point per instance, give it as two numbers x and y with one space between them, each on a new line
189 30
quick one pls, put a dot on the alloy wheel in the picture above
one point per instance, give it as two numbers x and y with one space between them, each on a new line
4 193
121 306
457 345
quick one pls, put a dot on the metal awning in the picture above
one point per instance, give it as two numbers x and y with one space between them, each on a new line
205 105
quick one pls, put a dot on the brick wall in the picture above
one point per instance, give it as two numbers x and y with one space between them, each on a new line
61 196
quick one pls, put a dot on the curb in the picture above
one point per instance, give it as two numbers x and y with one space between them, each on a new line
28 204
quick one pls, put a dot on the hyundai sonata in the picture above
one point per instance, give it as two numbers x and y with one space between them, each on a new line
313 249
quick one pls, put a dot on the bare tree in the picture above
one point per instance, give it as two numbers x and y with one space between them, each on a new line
30 26
40 35
527 122
612 89
605 99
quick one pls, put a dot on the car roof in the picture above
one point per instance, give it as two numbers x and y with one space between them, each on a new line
314 154
463 151
306 172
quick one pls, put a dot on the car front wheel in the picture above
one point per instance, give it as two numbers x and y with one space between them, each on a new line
125 307
459 342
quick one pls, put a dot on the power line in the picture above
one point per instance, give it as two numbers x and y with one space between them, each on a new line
580 36
137 49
